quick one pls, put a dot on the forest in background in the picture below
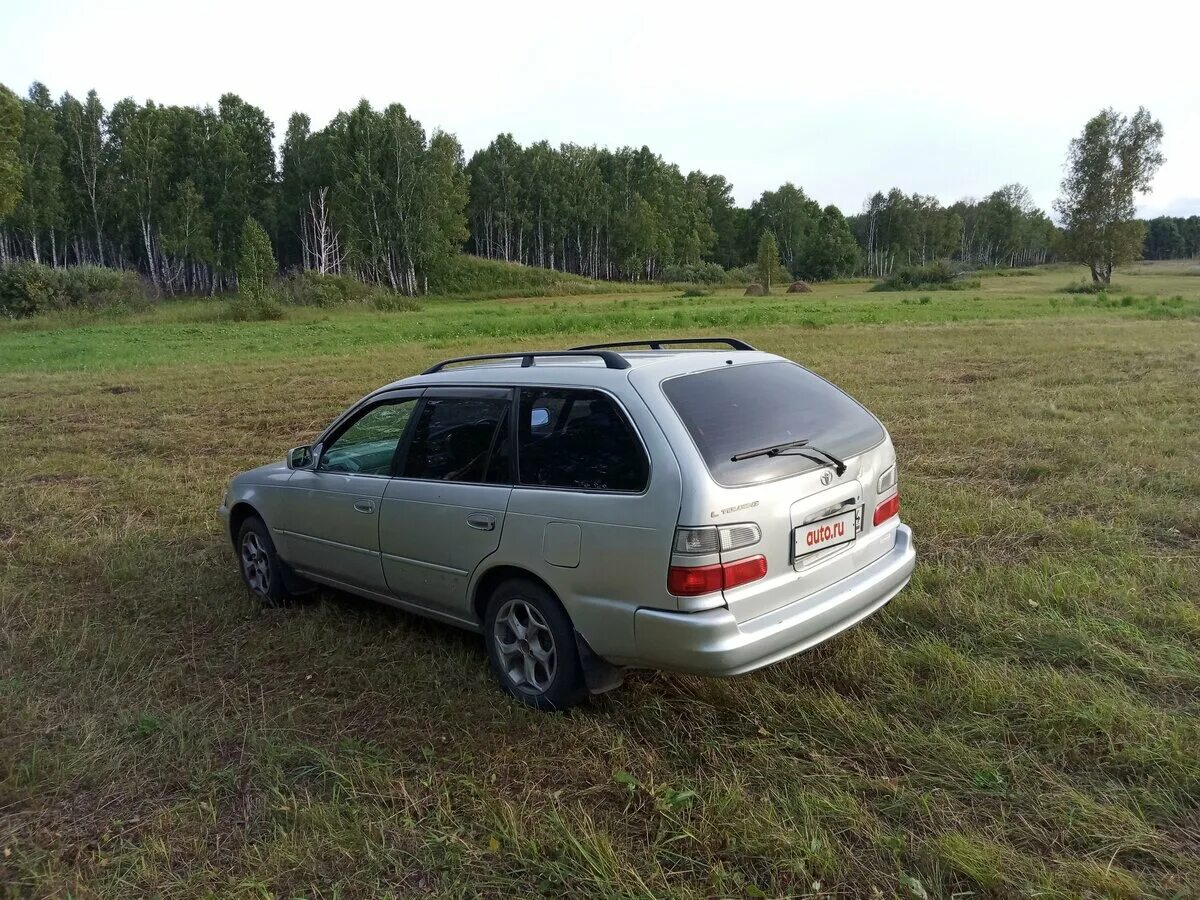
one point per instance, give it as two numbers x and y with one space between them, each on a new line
167 190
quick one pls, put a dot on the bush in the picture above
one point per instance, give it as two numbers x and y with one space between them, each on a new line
467 275
693 273
261 306
749 274
1089 287
935 276
28 288
314 289
696 292
386 301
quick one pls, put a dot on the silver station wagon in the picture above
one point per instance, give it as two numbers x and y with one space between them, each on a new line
689 505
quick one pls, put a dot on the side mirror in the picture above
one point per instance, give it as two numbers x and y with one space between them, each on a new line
301 458
539 417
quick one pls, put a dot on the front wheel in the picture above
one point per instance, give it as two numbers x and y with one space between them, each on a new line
531 646
261 568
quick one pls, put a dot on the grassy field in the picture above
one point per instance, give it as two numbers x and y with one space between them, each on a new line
1024 719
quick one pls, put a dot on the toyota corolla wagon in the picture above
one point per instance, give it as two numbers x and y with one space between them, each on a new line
688 505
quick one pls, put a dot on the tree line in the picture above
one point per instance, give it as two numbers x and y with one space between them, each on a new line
167 190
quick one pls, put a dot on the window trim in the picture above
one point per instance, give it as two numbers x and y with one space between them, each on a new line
456 392
621 410
347 419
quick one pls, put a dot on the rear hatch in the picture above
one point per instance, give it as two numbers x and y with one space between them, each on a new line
812 504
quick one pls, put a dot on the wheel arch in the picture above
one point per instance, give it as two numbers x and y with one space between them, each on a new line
240 512
490 579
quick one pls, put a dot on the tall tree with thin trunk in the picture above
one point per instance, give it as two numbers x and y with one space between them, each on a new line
768 258
12 125
1114 159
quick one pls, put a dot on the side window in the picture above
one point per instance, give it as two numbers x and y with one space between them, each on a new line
452 438
369 444
578 439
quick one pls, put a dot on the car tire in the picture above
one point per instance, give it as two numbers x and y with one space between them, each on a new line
262 570
531 646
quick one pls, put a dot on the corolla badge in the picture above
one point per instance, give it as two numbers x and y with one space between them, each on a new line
826 477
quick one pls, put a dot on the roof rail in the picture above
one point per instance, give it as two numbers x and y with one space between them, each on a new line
611 360
659 343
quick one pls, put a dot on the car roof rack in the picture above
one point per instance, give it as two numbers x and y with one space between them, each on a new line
611 360
660 343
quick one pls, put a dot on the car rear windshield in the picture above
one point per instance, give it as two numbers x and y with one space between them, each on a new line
740 408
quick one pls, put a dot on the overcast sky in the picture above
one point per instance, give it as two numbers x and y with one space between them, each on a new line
950 99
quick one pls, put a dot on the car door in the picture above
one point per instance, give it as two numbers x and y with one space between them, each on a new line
333 509
444 512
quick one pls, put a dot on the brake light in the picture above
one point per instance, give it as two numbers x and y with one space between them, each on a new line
744 571
692 581
888 508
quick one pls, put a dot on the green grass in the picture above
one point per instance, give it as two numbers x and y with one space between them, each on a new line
1023 719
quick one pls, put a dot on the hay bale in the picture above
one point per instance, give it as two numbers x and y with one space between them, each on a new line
755 290
799 287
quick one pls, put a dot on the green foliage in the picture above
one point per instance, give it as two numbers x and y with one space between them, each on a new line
12 127
696 292
464 275
936 276
693 273
328 291
767 259
28 288
748 273
386 301
261 306
256 264
1114 159
1090 287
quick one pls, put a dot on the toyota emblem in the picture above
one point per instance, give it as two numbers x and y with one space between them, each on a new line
826 477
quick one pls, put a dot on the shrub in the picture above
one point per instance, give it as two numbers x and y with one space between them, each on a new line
28 288
262 306
696 292
748 274
935 276
386 301
693 273
1089 287
315 289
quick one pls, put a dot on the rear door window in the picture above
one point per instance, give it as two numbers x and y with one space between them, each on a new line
740 408
578 439
454 437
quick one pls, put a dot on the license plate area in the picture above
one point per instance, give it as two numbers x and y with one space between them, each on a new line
824 534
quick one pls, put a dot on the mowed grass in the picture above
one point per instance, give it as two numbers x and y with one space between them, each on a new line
198 331
1022 720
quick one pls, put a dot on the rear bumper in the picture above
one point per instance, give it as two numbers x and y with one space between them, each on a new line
713 643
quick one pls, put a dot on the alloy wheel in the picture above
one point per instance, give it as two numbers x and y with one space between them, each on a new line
526 646
256 565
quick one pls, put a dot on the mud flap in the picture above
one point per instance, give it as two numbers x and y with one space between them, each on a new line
598 674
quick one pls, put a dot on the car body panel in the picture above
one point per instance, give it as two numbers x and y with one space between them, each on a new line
604 554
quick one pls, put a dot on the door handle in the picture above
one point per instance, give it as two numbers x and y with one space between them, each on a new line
481 521
364 506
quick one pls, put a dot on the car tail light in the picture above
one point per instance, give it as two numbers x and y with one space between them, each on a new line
691 581
888 508
701 541
744 571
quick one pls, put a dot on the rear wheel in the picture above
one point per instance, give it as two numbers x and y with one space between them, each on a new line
531 646
262 569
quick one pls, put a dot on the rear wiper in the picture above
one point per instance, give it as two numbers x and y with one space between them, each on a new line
798 448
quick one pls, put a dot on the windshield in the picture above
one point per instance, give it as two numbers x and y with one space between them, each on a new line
730 410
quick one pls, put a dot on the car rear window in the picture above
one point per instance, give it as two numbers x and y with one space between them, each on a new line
739 408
